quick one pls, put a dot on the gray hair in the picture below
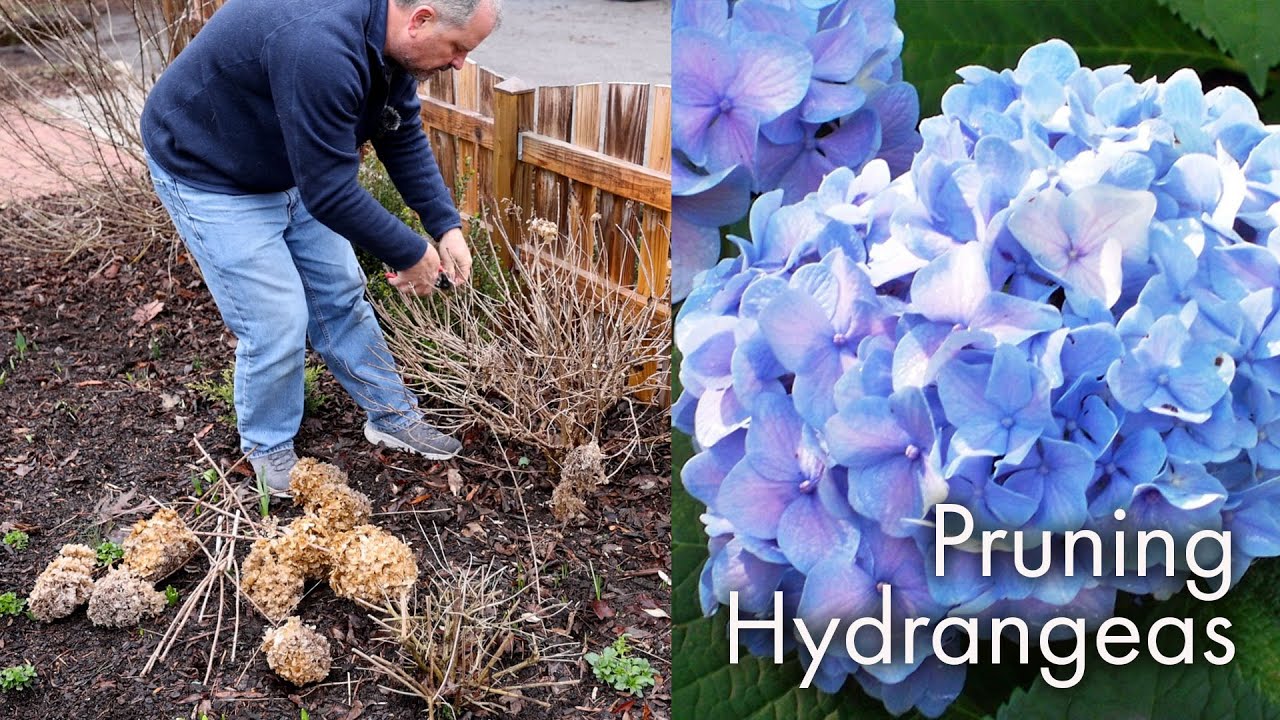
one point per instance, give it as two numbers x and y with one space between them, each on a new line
457 12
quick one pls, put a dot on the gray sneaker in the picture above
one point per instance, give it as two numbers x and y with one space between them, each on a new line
418 438
274 469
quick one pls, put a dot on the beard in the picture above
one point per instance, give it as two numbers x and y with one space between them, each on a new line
423 76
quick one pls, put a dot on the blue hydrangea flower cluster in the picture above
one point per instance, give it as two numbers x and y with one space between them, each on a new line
776 94
1069 306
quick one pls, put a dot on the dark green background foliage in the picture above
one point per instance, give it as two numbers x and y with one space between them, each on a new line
1228 42
1239 45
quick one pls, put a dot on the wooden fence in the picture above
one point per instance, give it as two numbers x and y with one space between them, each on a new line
595 159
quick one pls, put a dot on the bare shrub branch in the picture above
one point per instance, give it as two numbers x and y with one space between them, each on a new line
75 121
464 641
544 354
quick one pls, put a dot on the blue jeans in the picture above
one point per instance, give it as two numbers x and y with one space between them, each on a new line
279 278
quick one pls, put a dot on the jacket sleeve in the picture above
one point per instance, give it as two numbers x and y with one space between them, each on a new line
412 166
317 88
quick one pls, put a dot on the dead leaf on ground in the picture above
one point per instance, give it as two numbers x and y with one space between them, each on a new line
455 481
146 313
601 609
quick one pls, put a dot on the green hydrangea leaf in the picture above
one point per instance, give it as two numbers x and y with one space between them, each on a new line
1244 689
1244 29
943 35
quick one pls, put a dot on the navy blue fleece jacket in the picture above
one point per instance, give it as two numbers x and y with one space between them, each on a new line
281 93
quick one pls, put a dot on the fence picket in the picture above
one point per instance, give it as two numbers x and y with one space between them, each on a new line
626 121
555 120
584 198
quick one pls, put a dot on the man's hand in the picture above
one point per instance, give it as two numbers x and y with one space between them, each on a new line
421 278
455 256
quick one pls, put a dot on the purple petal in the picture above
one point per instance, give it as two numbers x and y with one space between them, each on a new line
865 433
731 138
1037 226
773 76
719 414
689 127
1098 214
827 101
951 288
712 200
706 69
774 437
855 141
704 472
1014 320
807 533
693 249
840 52
889 493
753 503
798 331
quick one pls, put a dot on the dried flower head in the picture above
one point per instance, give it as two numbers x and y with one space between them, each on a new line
297 653
543 228
121 599
305 545
336 508
64 585
159 545
309 474
582 470
273 584
370 564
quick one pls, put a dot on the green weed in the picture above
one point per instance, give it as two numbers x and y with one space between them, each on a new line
615 666
109 553
17 677
11 604
17 539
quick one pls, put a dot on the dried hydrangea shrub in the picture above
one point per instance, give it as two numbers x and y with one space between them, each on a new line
304 544
309 474
297 653
64 585
121 599
371 564
159 545
337 508
273 584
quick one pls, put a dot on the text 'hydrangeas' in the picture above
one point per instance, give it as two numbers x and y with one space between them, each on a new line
1069 306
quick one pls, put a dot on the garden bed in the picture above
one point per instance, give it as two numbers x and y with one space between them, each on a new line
98 417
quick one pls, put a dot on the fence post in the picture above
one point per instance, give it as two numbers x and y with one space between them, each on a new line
512 114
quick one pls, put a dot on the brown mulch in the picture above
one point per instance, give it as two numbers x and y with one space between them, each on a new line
100 406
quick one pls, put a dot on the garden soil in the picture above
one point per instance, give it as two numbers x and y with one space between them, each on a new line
98 415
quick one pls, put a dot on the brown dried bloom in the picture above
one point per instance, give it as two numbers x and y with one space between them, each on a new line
64 585
582 470
159 545
337 508
274 585
370 564
297 653
309 474
121 599
305 545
